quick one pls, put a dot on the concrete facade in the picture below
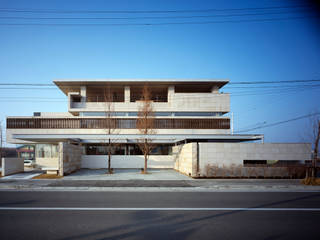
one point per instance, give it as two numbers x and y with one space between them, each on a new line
184 102
69 158
195 161
192 130
11 166
52 163
185 158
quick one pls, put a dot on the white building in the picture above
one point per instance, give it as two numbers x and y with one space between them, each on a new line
192 130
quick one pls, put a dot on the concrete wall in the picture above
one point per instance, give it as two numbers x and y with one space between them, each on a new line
185 158
47 162
70 158
183 102
12 165
227 154
126 161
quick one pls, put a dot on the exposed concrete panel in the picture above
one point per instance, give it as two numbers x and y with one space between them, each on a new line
183 102
127 94
226 154
52 163
70 156
185 158
12 165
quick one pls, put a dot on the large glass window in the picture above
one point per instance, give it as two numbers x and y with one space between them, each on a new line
157 114
126 149
47 150
101 114
197 114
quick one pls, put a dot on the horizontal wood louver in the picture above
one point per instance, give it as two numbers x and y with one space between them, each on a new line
123 123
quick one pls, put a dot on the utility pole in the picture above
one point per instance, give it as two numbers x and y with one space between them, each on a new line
231 122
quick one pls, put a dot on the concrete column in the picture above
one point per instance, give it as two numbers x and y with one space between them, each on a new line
127 93
170 93
83 93
215 89
60 170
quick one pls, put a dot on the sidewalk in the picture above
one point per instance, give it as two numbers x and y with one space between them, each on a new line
156 180
192 185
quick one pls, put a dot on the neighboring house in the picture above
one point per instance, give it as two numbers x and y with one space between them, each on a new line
7 152
192 128
26 152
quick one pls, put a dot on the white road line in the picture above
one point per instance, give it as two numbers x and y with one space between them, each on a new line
152 209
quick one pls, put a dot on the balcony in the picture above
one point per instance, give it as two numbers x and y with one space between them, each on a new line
119 123
184 102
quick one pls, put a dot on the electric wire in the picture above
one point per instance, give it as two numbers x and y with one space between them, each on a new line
278 123
148 17
28 10
155 24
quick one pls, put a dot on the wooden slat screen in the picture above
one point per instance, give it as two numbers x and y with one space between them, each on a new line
124 123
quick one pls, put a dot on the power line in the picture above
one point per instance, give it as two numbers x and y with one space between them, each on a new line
26 10
30 88
154 24
230 83
181 98
278 123
26 84
147 17
269 82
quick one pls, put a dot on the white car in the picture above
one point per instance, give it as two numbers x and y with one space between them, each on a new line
28 163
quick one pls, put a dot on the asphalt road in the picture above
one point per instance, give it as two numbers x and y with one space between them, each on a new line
145 215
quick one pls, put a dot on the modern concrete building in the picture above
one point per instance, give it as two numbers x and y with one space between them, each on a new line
192 130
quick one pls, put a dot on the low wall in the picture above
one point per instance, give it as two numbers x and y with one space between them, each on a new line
126 161
185 158
224 155
12 165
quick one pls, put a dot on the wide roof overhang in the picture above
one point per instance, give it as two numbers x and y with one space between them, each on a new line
131 138
74 85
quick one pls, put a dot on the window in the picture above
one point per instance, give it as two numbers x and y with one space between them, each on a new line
47 151
254 162
101 114
126 149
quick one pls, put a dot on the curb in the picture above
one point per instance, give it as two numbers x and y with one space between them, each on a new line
163 189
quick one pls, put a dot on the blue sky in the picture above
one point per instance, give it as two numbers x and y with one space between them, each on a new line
278 50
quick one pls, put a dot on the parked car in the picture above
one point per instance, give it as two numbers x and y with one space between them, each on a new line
28 163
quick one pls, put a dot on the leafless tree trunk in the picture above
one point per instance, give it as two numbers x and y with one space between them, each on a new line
316 128
145 125
1 141
110 123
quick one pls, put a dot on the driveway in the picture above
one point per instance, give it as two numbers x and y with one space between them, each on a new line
126 174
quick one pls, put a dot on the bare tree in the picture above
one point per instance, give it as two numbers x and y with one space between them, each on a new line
1 140
145 125
316 139
109 123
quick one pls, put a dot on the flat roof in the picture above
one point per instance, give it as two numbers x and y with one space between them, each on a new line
72 85
127 138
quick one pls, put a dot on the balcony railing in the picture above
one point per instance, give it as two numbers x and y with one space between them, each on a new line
121 123
114 98
154 98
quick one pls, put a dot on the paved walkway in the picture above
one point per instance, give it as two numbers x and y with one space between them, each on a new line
127 174
157 180
24 175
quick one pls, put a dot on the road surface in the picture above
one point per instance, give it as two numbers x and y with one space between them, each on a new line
159 215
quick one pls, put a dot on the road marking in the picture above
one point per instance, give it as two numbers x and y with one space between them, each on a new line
152 209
